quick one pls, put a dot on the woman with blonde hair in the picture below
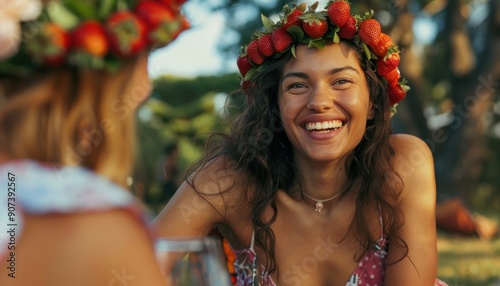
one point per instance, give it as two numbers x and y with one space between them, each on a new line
69 91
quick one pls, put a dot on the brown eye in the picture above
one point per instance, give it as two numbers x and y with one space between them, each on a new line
342 81
296 85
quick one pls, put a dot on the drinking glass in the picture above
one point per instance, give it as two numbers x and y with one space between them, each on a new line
192 261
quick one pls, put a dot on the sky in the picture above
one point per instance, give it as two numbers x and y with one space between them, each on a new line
193 53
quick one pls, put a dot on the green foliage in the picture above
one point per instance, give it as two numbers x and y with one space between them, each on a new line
180 91
181 112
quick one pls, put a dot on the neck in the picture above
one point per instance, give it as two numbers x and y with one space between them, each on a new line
322 182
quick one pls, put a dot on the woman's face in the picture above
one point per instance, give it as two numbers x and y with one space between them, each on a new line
324 102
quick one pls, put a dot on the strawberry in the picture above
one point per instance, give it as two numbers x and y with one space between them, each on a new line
90 38
180 2
244 64
392 59
349 29
385 42
265 45
339 12
291 17
314 24
160 22
396 93
281 39
369 32
153 13
245 84
254 54
173 5
167 3
387 64
393 76
126 33
382 68
50 45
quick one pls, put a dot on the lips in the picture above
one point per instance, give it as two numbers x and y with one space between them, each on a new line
323 126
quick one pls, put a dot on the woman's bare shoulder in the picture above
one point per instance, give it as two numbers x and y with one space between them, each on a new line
407 141
410 151
414 163
89 248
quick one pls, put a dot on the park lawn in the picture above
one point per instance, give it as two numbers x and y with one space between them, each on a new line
465 261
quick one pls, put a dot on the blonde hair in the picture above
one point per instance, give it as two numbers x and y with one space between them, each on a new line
68 117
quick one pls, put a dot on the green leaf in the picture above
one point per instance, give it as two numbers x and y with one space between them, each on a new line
262 67
314 6
82 9
294 54
318 43
336 38
15 70
367 51
394 109
112 64
250 74
122 5
62 16
296 32
322 15
266 21
105 8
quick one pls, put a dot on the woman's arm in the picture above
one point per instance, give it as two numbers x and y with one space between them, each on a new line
414 163
195 211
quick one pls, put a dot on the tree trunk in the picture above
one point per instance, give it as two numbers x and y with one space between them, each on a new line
461 157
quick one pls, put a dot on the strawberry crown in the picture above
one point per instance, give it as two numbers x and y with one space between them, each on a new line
93 34
300 24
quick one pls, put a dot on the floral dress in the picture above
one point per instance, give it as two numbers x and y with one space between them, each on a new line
369 271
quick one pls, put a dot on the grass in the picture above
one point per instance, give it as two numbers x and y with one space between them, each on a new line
465 261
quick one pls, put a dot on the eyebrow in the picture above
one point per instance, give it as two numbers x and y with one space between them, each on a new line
331 72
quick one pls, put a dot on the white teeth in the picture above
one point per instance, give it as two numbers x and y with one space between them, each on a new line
324 125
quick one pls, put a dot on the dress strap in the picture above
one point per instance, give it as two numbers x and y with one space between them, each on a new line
252 242
381 222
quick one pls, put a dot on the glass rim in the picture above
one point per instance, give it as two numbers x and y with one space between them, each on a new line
182 244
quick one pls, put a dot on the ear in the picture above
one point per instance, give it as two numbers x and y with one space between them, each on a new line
371 111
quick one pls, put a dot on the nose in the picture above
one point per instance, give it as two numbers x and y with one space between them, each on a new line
320 99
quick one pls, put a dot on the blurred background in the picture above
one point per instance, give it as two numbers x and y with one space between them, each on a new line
451 58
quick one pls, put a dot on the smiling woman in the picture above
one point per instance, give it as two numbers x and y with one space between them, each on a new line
310 186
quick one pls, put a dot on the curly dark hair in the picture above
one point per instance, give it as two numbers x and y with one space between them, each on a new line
258 147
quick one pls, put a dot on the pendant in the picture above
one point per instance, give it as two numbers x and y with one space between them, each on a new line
319 206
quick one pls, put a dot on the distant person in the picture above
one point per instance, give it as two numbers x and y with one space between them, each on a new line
455 216
167 175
